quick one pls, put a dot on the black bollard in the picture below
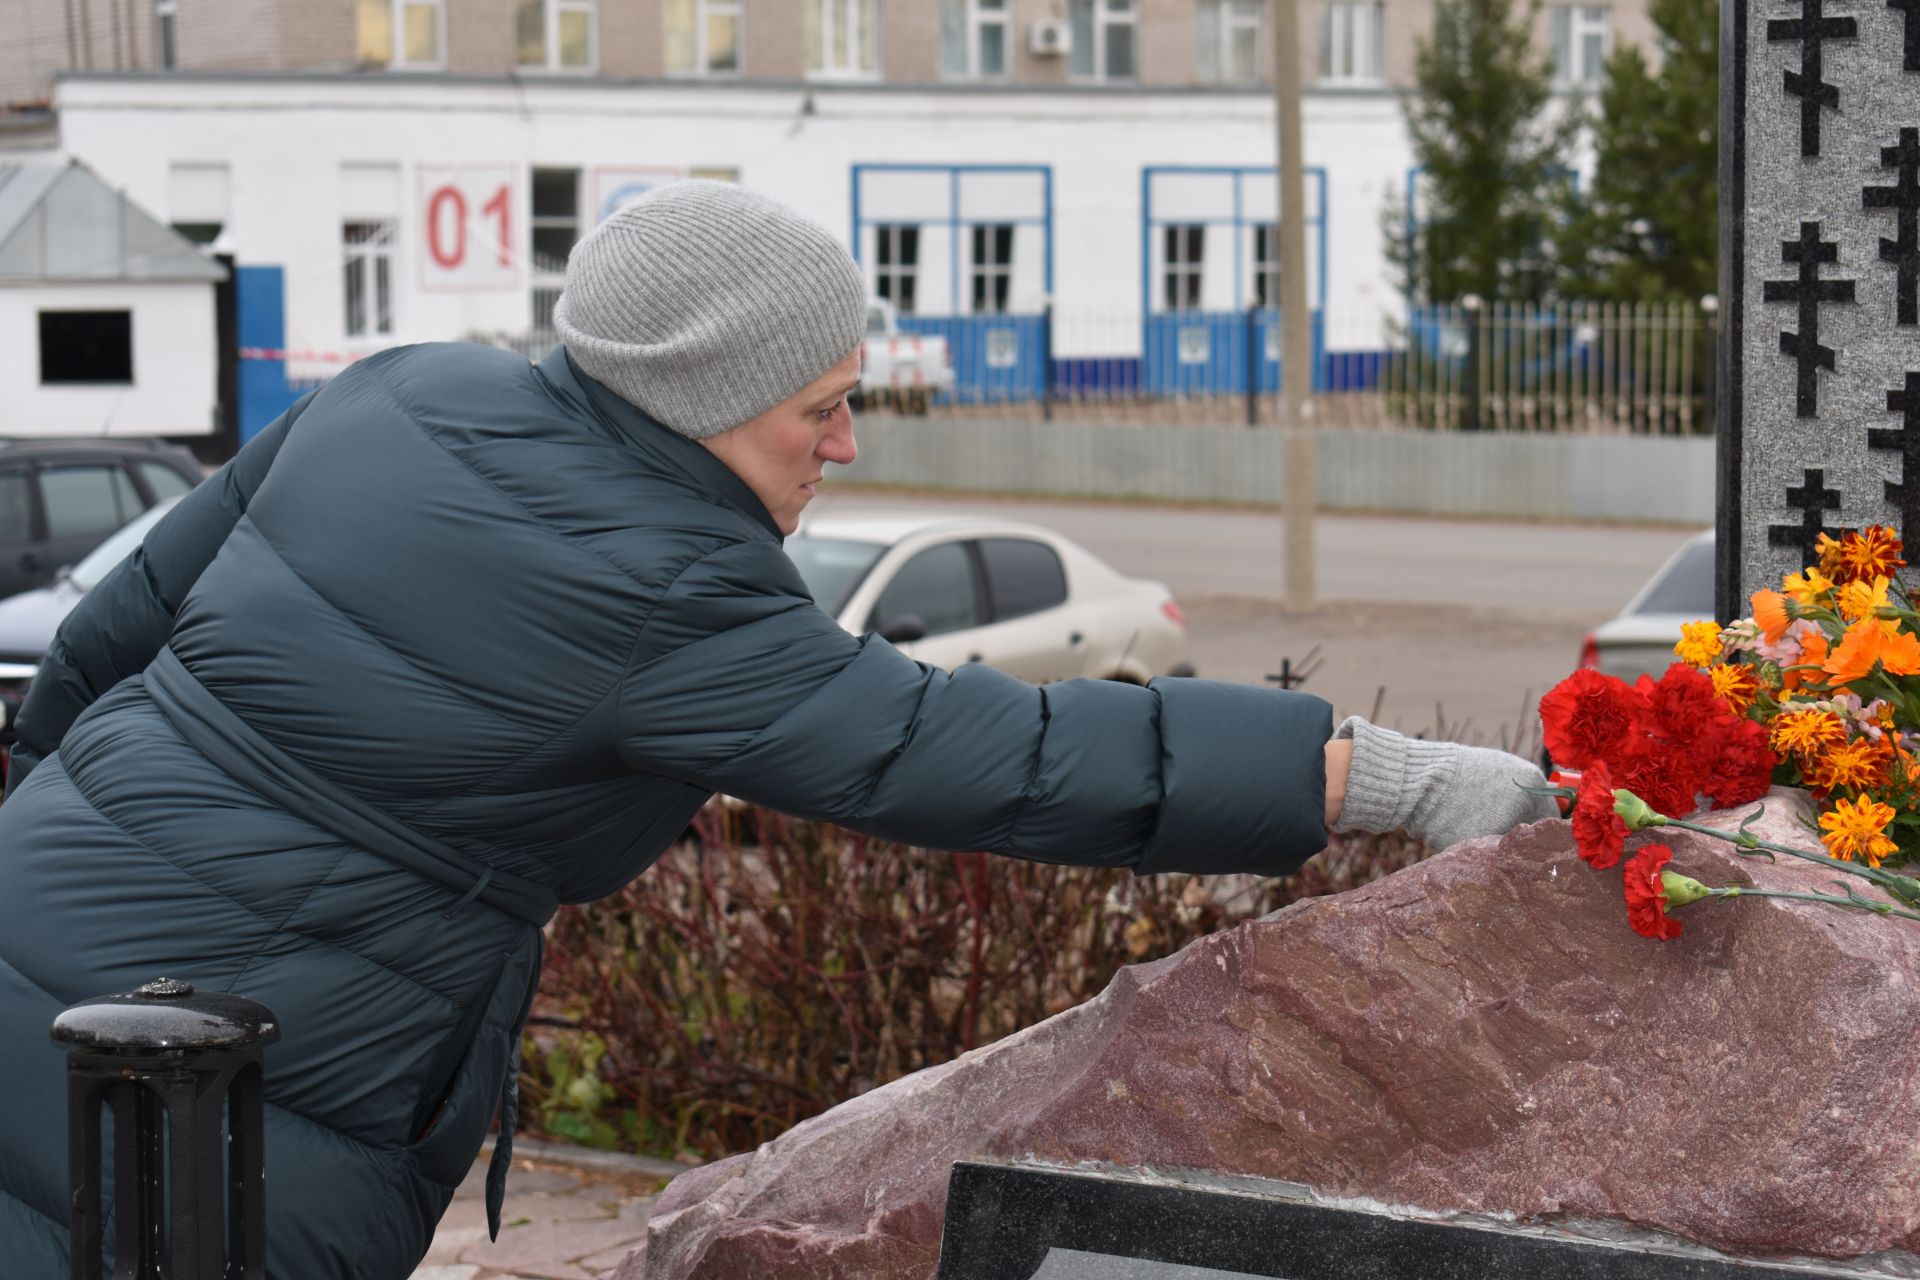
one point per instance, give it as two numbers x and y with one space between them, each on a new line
182 1075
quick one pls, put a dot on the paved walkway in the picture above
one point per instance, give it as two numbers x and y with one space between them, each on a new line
566 1217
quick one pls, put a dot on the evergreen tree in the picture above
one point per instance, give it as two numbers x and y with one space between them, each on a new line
1494 153
1648 228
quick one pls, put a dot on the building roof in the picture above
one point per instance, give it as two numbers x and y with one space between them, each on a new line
62 223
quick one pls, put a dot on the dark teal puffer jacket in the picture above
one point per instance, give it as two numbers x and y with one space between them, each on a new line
455 640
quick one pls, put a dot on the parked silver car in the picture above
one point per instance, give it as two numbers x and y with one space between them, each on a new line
1018 597
1640 639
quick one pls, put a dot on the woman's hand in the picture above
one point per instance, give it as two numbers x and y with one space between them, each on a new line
1442 792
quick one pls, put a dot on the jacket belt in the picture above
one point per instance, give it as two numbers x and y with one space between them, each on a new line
244 754
239 750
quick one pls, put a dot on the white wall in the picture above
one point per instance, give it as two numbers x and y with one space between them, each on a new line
174 362
286 139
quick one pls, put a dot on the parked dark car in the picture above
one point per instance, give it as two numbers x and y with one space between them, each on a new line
59 499
29 620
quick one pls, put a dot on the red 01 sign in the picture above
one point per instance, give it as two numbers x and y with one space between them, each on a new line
470 230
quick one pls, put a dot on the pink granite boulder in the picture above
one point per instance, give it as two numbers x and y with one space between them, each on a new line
1481 1032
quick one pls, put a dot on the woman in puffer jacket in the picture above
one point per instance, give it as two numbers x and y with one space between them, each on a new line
460 638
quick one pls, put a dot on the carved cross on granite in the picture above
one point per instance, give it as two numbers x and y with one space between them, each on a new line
1906 439
1809 290
1903 197
1813 28
1911 8
1810 499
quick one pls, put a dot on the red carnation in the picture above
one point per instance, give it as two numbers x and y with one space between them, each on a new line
1598 832
1667 778
1588 717
1647 896
1743 770
1681 707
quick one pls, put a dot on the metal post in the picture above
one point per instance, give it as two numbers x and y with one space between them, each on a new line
176 1068
1296 321
1046 359
1253 364
1471 306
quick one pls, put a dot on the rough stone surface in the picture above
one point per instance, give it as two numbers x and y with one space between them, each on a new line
1481 1032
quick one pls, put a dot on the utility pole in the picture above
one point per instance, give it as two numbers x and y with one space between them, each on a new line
1296 322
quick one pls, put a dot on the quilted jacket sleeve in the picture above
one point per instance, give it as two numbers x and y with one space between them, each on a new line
122 623
740 684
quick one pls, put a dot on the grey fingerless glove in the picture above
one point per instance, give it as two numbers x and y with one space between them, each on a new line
1442 792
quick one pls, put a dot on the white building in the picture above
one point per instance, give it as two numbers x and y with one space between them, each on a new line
107 319
420 171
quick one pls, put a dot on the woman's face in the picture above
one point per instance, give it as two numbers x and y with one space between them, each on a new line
782 453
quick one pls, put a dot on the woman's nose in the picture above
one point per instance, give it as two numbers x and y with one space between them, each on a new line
837 445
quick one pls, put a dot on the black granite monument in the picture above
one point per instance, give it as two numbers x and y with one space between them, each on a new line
1025 1221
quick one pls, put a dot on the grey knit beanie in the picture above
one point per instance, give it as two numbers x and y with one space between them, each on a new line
705 304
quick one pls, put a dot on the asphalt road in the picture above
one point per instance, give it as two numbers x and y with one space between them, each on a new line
1453 627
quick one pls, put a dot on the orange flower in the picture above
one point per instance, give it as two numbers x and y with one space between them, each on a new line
1813 653
1738 683
1699 643
1832 562
1805 733
1859 765
1866 643
1856 830
1807 588
1874 552
1860 598
1771 612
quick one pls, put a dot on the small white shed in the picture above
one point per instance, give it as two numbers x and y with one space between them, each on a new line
107 315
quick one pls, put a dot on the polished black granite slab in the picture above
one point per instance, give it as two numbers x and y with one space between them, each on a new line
1038 1222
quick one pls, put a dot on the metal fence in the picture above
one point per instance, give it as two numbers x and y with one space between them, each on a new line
1585 368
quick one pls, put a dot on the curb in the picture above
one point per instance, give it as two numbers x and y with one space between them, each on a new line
588 1160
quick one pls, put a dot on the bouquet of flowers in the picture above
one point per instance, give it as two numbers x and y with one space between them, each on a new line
1819 688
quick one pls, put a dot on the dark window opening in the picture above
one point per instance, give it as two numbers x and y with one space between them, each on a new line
992 267
86 347
1266 265
897 264
1184 244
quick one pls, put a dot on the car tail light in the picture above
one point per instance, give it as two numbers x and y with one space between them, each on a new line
1590 653
1175 614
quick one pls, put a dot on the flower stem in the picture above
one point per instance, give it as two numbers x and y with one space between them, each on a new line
1857 903
1904 888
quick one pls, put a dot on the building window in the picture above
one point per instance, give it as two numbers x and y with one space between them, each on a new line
703 37
896 262
1103 40
86 347
165 55
1582 38
843 38
555 35
1266 265
973 39
402 33
992 267
1350 43
1228 41
367 277
1185 244
556 229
